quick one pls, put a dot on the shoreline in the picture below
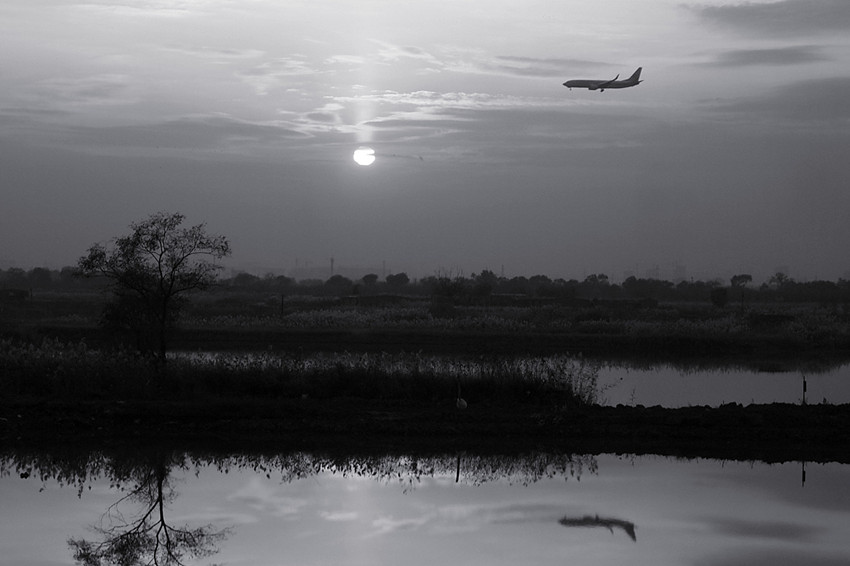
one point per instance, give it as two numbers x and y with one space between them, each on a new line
770 433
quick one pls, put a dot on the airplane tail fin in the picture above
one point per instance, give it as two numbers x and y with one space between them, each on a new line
636 75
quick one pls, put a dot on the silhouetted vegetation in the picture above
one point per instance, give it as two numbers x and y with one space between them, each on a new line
53 370
481 314
483 288
379 361
150 272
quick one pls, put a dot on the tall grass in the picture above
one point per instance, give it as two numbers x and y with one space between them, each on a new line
56 370
410 376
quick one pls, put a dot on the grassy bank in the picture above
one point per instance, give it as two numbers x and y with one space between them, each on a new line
54 370
55 393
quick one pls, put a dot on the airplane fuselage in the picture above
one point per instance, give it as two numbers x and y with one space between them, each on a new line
601 85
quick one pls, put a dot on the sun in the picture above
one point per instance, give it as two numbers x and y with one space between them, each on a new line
364 156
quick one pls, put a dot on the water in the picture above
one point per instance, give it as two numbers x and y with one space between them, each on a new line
671 387
594 510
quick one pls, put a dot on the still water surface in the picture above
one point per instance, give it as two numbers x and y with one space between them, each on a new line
593 510
669 386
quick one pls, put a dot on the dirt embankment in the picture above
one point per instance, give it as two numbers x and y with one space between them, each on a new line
776 432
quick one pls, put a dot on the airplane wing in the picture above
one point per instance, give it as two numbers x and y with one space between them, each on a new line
608 83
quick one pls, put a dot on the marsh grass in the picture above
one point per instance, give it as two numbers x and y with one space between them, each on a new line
53 369
401 376
56 370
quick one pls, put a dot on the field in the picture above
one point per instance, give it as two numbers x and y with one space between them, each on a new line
389 370
518 325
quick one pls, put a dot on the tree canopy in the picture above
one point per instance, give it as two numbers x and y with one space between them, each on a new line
151 270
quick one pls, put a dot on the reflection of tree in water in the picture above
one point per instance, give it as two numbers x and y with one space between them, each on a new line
597 521
78 468
146 538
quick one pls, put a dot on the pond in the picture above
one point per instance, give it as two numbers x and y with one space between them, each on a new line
670 386
457 508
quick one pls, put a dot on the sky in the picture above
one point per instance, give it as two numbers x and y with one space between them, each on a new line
730 157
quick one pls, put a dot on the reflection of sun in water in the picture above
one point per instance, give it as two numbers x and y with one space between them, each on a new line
364 156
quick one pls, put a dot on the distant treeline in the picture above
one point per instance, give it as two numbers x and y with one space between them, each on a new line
17 284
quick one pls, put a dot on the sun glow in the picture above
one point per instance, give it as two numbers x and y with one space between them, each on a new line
364 156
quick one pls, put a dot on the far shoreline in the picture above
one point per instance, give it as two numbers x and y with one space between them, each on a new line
776 353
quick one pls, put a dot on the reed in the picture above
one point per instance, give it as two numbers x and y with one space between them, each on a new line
57 370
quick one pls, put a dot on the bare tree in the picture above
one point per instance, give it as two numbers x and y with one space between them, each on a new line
151 271
146 538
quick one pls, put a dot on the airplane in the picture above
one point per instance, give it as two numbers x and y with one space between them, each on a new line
602 85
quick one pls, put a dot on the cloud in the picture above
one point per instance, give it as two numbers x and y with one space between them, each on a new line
323 117
339 516
784 18
269 75
217 517
213 136
825 102
94 90
418 114
387 525
345 60
263 498
149 8
195 133
430 101
534 67
215 54
793 55
469 518
771 556
764 529
388 52
480 62
475 61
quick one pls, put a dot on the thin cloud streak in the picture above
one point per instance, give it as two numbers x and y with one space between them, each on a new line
783 18
821 103
795 55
